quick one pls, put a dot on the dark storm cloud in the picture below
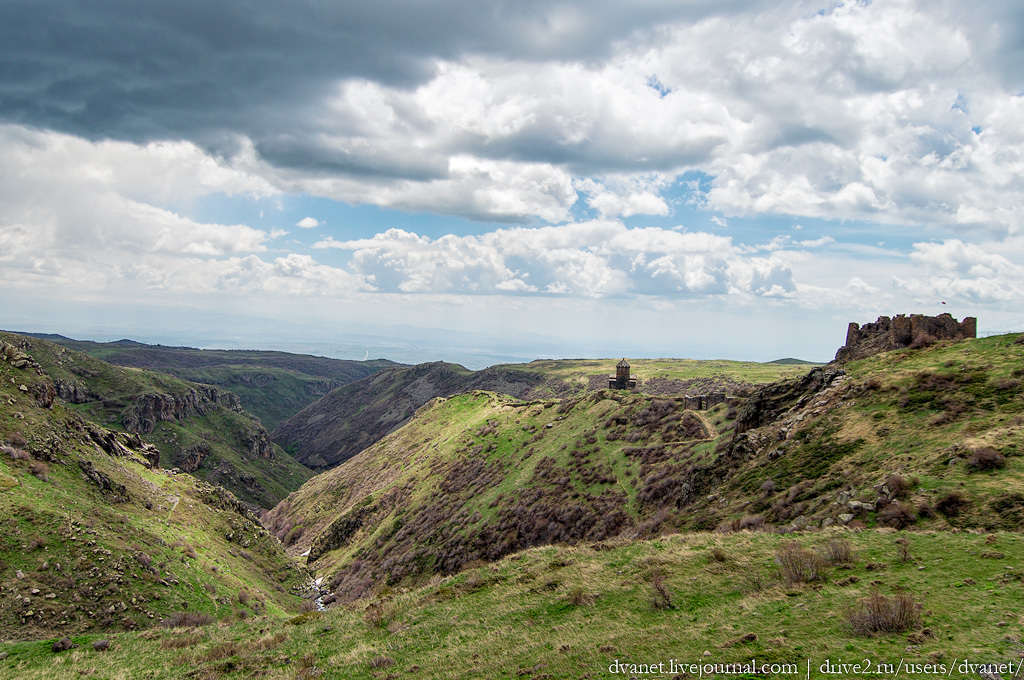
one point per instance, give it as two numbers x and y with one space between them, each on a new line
201 70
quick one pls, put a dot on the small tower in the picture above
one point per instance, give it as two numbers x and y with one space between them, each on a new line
621 380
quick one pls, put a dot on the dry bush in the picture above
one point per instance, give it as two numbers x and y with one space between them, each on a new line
952 504
986 458
223 651
838 552
269 642
187 620
182 641
307 606
881 614
16 453
379 614
243 597
899 486
661 596
903 545
719 555
768 486
926 510
578 597
39 470
896 515
381 662
798 565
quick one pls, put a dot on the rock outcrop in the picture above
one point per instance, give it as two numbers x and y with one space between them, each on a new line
72 392
150 409
887 334
767 403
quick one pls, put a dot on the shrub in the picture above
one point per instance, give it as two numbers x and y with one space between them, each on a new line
16 453
768 486
925 509
379 614
243 597
39 470
381 662
899 486
896 515
223 651
838 552
797 565
719 555
182 641
903 546
881 614
952 504
986 458
661 596
578 597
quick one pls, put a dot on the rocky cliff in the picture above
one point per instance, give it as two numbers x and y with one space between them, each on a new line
149 409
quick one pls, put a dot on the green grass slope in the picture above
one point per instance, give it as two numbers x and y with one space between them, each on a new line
271 385
200 429
95 540
353 417
929 437
575 612
915 439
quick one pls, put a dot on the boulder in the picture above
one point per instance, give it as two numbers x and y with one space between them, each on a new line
63 644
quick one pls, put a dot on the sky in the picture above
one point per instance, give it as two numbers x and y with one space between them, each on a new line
502 181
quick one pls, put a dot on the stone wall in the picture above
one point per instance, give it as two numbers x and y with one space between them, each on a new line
887 334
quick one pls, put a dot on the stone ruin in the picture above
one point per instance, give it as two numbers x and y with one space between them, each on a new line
887 334
704 401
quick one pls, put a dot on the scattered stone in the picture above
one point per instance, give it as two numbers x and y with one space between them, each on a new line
845 518
20 574
3 655
749 637
63 644
993 555
101 645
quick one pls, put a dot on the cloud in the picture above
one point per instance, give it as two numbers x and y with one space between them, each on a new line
593 259
308 223
77 211
901 112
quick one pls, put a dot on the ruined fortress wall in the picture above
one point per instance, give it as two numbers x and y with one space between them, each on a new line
887 334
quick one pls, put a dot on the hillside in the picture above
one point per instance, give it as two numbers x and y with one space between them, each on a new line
96 538
353 417
270 385
200 429
917 438
698 601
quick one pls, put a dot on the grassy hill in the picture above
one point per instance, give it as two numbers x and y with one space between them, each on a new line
271 385
923 438
871 515
96 539
200 429
573 612
353 417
